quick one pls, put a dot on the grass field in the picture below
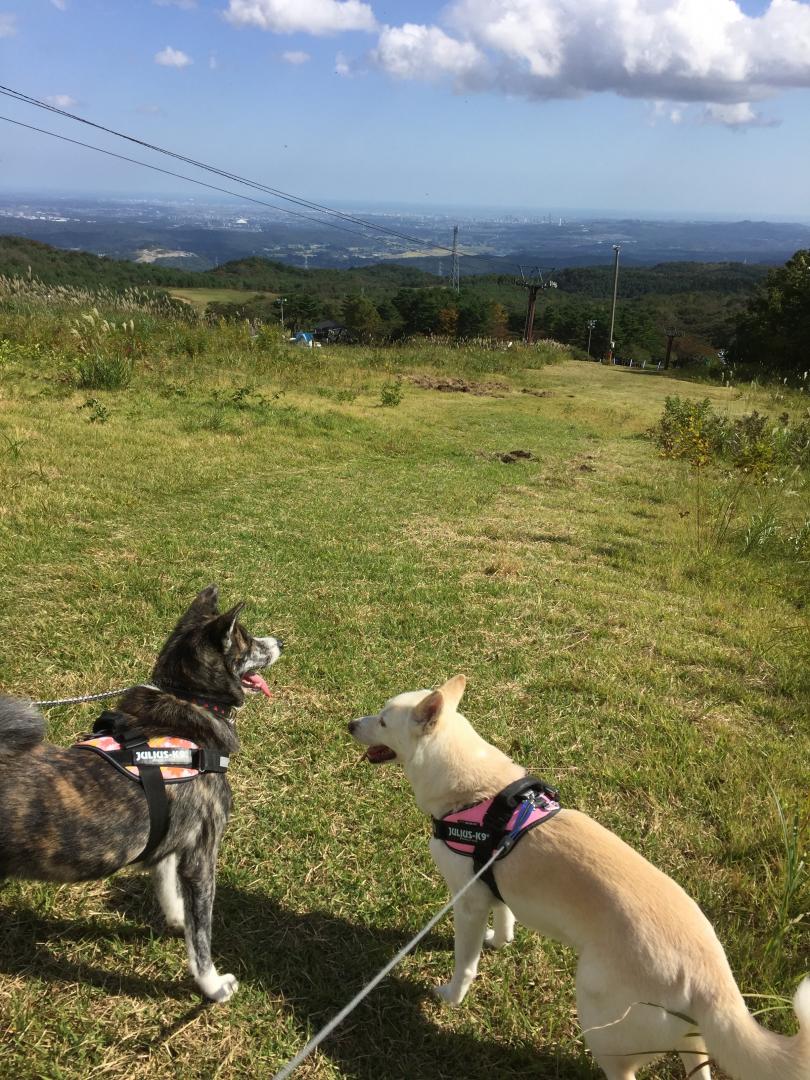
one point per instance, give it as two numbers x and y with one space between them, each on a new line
659 681
201 298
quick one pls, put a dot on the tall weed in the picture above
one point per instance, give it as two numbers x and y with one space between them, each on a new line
695 432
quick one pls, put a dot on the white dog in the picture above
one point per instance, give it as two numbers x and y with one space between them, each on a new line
648 957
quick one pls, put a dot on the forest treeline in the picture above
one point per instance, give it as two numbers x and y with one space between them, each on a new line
720 312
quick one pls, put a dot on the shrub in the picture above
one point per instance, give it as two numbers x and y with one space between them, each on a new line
98 413
107 352
693 431
99 372
391 393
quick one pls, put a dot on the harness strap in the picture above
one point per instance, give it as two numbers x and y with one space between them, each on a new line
155 791
202 759
527 789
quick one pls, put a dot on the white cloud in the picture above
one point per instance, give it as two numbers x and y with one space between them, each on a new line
8 25
62 101
213 63
736 116
412 51
151 110
343 66
665 110
295 56
678 51
309 16
170 57
60 4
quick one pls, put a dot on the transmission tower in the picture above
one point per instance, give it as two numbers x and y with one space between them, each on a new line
454 272
532 280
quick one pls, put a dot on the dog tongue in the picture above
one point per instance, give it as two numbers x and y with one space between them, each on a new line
256 682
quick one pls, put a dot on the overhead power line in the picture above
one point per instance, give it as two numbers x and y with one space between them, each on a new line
179 176
18 95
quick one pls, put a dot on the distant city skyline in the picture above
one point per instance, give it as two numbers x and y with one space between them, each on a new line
458 211
640 108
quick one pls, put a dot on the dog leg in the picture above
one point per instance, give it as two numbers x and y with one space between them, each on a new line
167 890
196 876
697 1064
470 915
503 930
617 1072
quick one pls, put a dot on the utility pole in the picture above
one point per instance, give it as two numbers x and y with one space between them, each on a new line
590 324
282 300
672 333
455 278
616 249
533 283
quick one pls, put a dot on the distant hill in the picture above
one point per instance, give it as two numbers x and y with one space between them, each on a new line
20 256
665 278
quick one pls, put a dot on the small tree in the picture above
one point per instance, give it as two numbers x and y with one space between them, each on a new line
447 321
498 320
473 317
361 317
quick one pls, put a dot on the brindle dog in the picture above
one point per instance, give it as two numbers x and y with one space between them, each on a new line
69 815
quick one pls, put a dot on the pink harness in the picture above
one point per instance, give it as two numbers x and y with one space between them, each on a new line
465 828
496 824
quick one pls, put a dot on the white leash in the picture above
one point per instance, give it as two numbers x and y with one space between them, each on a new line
92 697
327 1030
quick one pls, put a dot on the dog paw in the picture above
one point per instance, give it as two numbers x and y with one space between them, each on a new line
448 994
222 989
175 929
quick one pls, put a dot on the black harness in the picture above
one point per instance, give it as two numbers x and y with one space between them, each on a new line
149 761
498 823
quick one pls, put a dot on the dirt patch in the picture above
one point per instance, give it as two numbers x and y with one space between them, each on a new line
537 393
459 386
587 465
516 455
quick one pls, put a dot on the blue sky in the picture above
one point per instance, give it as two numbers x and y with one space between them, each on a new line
638 106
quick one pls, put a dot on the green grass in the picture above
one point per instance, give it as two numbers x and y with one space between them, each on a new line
660 685
201 298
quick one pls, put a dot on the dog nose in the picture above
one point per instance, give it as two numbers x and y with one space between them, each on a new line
280 644
352 726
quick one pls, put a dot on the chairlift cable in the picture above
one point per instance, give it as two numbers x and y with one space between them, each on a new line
18 95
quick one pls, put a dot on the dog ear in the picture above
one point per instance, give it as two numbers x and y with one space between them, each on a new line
223 627
206 600
429 709
453 690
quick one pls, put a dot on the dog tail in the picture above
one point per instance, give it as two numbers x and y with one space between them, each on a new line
746 1050
22 727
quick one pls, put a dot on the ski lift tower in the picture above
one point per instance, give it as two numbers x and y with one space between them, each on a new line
533 280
